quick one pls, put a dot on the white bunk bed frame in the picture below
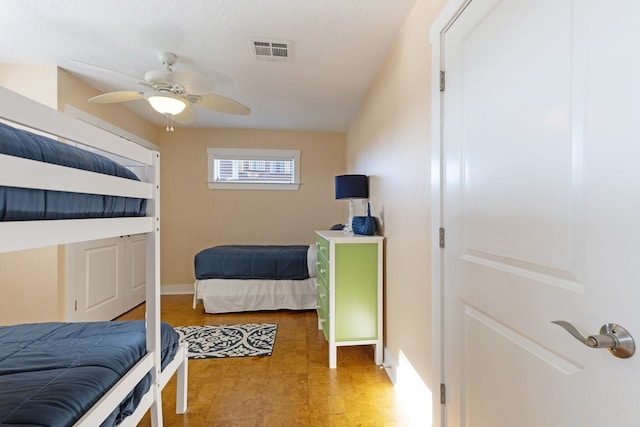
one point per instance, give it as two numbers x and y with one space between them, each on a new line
18 235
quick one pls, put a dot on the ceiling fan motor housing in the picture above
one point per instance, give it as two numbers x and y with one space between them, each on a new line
167 59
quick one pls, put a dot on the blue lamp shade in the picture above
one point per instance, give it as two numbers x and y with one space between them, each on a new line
352 187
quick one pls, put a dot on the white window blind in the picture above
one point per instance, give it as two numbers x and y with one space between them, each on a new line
235 168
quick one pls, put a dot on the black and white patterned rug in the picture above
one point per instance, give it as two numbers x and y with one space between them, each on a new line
249 339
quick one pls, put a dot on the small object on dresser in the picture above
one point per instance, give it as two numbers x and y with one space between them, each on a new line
365 225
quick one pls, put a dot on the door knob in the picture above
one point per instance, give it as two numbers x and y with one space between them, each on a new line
612 336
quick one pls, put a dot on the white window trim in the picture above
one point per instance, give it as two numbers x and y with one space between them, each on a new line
252 154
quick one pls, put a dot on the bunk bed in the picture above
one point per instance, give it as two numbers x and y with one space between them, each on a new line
148 349
236 278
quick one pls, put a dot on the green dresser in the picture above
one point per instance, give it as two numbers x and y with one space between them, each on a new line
349 291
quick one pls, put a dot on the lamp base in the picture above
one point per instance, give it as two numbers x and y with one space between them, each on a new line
347 226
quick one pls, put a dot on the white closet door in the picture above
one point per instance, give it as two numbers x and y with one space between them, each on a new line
99 279
136 253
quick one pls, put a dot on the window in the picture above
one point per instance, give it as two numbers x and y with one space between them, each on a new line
249 169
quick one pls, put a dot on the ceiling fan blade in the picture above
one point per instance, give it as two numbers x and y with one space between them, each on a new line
109 71
193 82
222 104
187 116
157 77
120 96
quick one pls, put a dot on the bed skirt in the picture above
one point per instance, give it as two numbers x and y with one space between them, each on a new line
236 295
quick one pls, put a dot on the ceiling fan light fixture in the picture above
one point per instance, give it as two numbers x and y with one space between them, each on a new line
166 102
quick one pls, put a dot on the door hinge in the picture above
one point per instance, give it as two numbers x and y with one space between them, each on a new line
441 237
442 81
443 394
76 305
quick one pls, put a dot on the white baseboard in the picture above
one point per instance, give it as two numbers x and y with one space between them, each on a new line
177 289
413 397
390 365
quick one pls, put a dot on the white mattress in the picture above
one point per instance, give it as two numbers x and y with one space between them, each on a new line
235 295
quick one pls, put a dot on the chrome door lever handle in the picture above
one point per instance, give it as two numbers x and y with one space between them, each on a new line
593 341
612 336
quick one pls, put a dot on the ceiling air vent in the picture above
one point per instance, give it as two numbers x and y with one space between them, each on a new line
272 50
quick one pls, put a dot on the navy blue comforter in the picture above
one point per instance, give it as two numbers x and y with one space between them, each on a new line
253 262
52 373
20 204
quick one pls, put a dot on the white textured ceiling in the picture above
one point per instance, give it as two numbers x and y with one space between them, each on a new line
338 47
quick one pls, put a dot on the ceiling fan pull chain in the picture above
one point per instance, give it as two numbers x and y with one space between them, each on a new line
169 123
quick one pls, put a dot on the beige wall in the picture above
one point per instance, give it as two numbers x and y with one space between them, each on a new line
29 287
389 140
194 217
38 82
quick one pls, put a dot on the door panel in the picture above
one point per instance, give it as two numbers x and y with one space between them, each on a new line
547 376
109 277
541 139
100 274
136 252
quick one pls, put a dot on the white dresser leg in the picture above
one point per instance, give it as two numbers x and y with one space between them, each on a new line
333 356
379 353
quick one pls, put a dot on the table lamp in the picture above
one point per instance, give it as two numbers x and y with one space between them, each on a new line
351 187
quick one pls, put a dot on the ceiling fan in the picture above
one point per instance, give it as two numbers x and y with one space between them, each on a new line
174 93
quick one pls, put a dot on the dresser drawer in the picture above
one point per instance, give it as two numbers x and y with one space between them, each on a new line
323 317
323 248
322 271
322 294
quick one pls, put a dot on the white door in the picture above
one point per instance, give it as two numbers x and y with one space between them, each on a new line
99 279
541 206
